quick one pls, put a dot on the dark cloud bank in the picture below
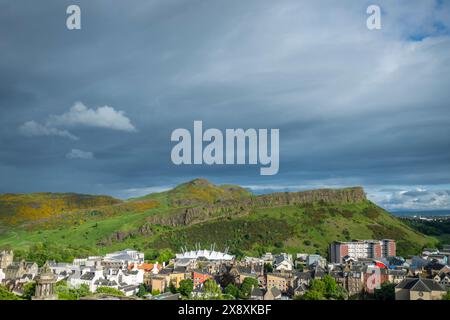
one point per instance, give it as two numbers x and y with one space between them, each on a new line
92 110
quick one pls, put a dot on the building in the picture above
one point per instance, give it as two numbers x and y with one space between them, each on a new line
239 272
419 289
6 259
283 263
205 255
45 283
199 276
159 283
272 293
18 270
443 278
282 281
315 259
363 249
349 277
88 277
123 258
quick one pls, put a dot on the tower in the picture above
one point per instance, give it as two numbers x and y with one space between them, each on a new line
6 259
45 283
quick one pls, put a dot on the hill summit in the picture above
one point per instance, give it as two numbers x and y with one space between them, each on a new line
199 211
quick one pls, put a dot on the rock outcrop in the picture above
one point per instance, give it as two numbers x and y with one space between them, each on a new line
223 209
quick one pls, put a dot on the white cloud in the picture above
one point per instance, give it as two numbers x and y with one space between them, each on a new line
34 129
78 115
80 154
412 199
102 117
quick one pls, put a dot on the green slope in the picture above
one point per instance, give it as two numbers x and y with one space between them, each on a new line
20 208
197 192
228 216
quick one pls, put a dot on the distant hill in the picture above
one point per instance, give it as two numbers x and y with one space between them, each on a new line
17 208
201 212
423 213
198 191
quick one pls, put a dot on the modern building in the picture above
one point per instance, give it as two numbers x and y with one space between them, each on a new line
362 249
208 255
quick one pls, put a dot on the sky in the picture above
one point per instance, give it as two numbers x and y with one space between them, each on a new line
92 110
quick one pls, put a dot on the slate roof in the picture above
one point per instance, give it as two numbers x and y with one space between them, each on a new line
179 270
249 270
275 291
88 276
420 284
257 292
166 271
301 288
106 283
304 275
127 288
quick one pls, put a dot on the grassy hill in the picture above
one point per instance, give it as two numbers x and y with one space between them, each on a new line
196 192
18 208
200 212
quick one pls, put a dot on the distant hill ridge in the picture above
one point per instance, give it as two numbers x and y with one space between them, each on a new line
200 198
232 206
200 212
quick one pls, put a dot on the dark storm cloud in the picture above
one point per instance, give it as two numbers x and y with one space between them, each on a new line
353 106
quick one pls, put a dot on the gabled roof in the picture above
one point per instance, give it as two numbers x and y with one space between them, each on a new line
275 291
88 276
257 292
305 275
301 288
420 284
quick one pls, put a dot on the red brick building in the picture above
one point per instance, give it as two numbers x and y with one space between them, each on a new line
363 249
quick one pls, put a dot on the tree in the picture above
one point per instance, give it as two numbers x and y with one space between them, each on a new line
109 291
332 290
329 284
156 292
325 289
232 290
317 285
83 290
212 289
66 293
186 287
165 255
142 290
446 296
7 295
246 287
29 290
268 268
312 295
386 291
172 288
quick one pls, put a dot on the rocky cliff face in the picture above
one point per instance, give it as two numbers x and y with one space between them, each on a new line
201 213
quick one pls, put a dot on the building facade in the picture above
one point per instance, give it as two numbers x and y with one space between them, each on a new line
363 249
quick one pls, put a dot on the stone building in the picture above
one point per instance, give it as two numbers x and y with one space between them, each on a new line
45 285
6 259
18 270
419 289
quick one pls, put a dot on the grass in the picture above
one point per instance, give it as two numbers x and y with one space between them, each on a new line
307 228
